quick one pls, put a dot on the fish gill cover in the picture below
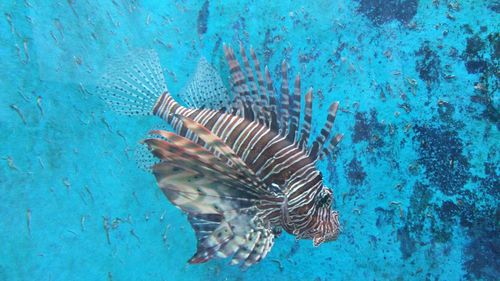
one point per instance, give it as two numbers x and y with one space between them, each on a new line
415 179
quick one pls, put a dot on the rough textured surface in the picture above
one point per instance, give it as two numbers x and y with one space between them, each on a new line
382 11
416 178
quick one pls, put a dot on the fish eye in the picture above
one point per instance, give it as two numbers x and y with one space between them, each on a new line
325 198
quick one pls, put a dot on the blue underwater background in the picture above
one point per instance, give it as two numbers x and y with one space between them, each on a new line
416 178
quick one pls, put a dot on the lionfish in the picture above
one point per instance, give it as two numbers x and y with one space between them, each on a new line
240 162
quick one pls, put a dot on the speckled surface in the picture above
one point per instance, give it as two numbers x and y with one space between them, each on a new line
415 179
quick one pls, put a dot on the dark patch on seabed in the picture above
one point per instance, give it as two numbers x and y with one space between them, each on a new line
481 225
480 222
356 173
491 183
446 111
385 217
441 154
494 5
411 232
382 11
482 56
368 129
203 18
428 65
483 251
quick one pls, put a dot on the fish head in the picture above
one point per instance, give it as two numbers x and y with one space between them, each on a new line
329 231
327 225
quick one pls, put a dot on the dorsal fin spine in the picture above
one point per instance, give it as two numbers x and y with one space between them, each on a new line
239 83
272 100
333 144
284 100
325 131
262 89
259 102
295 111
306 125
260 78
250 77
256 104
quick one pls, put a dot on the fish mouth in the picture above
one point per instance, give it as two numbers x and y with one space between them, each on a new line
328 230
318 240
318 237
329 237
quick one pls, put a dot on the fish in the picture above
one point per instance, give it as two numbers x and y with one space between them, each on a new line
241 163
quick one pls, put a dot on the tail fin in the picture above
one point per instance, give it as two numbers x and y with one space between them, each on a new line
132 84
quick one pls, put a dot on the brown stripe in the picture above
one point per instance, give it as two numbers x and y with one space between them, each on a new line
285 99
306 126
158 103
295 112
272 101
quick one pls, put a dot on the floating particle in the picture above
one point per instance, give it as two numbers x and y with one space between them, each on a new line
26 52
16 109
82 222
28 221
132 232
41 162
67 183
107 124
10 163
105 224
280 265
39 104
9 20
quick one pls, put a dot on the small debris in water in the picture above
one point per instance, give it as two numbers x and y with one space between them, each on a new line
397 203
135 235
13 106
39 104
90 193
67 183
10 163
116 222
26 53
41 162
280 265
105 225
164 236
135 197
9 20
28 221
82 222
442 102
120 133
107 124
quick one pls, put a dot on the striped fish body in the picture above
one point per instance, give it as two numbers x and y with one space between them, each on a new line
278 162
241 170
271 157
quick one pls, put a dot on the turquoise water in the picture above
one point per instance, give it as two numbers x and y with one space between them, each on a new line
415 179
